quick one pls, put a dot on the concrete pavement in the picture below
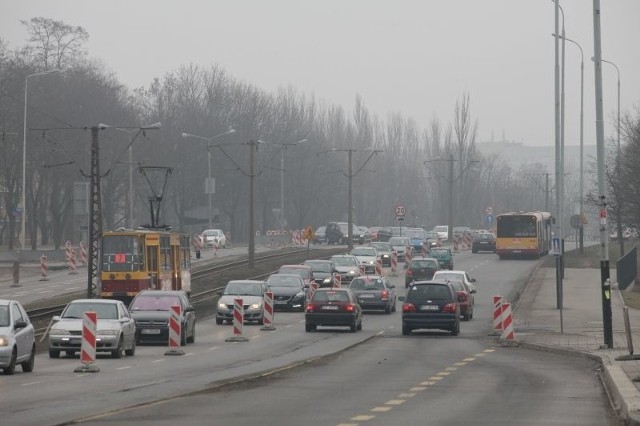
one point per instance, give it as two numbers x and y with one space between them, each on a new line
578 329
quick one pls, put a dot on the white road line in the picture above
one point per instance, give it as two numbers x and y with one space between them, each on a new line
126 367
379 333
213 348
30 383
158 360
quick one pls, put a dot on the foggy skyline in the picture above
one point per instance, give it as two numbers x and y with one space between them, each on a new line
416 58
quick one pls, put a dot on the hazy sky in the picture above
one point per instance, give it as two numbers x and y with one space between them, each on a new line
416 57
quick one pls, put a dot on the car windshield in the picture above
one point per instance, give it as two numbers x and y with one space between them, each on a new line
243 289
153 302
104 310
363 251
366 284
330 296
320 266
381 246
398 241
303 272
416 234
439 252
344 261
284 282
4 316
423 263
428 292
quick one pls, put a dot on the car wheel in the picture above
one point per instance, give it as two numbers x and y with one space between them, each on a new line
53 353
393 307
455 330
132 350
406 330
261 321
219 321
192 339
119 350
354 326
360 325
27 366
466 316
309 327
387 310
183 337
11 368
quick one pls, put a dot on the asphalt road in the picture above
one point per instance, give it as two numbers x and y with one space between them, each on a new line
376 376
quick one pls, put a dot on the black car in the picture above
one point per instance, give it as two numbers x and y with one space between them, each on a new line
323 271
374 292
484 242
333 307
420 269
289 292
151 310
431 305
337 233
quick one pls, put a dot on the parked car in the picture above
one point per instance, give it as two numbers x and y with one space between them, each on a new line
337 233
456 275
374 292
116 330
484 242
444 256
333 307
289 291
366 257
151 310
322 270
420 269
17 338
347 266
431 305
400 244
384 251
252 294
465 298
321 236
214 236
304 271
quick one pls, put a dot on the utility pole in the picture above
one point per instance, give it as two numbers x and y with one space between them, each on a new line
95 218
253 146
605 285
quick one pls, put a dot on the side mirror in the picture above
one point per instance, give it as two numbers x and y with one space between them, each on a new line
19 324
473 291
55 318
190 308
473 280
392 286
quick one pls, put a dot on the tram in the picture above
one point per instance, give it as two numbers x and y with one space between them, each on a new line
136 260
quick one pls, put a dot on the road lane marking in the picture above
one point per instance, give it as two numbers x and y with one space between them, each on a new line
407 395
381 409
31 383
158 360
417 388
443 373
479 355
213 348
362 418
460 364
379 333
451 368
436 378
124 368
395 402
287 326
469 359
189 353
489 350
256 336
428 383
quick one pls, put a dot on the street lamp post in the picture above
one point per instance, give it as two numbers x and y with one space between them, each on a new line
208 186
282 169
24 156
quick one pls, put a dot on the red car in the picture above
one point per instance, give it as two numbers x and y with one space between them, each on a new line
465 298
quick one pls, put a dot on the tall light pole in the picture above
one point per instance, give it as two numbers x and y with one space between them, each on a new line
282 169
209 187
24 155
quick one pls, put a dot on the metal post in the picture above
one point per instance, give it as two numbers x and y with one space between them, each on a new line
208 186
252 241
95 219
284 147
558 152
350 213
131 226
604 242
450 220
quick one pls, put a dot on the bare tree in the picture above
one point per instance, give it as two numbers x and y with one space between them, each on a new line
54 44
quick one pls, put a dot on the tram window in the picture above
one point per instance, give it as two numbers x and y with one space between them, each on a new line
165 253
121 253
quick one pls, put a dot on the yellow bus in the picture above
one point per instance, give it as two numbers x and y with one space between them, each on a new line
523 234
136 260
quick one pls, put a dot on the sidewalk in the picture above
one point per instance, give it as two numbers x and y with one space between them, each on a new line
537 323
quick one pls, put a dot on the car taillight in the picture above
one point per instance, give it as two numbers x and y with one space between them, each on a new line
349 308
449 308
384 295
310 307
462 297
408 307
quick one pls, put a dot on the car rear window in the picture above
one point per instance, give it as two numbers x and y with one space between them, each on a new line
330 296
366 284
154 303
423 264
428 292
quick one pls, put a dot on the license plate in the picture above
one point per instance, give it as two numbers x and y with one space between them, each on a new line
483 242
330 307
280 302
150 331
366 296
430 308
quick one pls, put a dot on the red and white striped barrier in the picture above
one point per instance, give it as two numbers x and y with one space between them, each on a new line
497 314
295 238
267 311
238 322
363 269
425 251
175 331
88 344
507 323
216 248
336 280
378 266
67 250
44 269
72 262
394 262
83 254
407 255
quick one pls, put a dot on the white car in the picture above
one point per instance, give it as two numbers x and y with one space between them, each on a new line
366 256
214 236
443 231
252 294
17 338
116 330
456 275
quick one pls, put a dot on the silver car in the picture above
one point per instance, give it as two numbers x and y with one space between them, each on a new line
17 339
115 333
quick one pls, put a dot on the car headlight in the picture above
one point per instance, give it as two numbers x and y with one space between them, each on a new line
222 306
299 295
385 256
256 306
327 280
352 272
4 341
58 332
108 332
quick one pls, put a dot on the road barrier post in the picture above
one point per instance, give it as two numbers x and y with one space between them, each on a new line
238 322
394 262
268 313
175 331
44 269
72 262
88 345
507 323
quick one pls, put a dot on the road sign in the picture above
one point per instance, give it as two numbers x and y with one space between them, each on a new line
400 210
